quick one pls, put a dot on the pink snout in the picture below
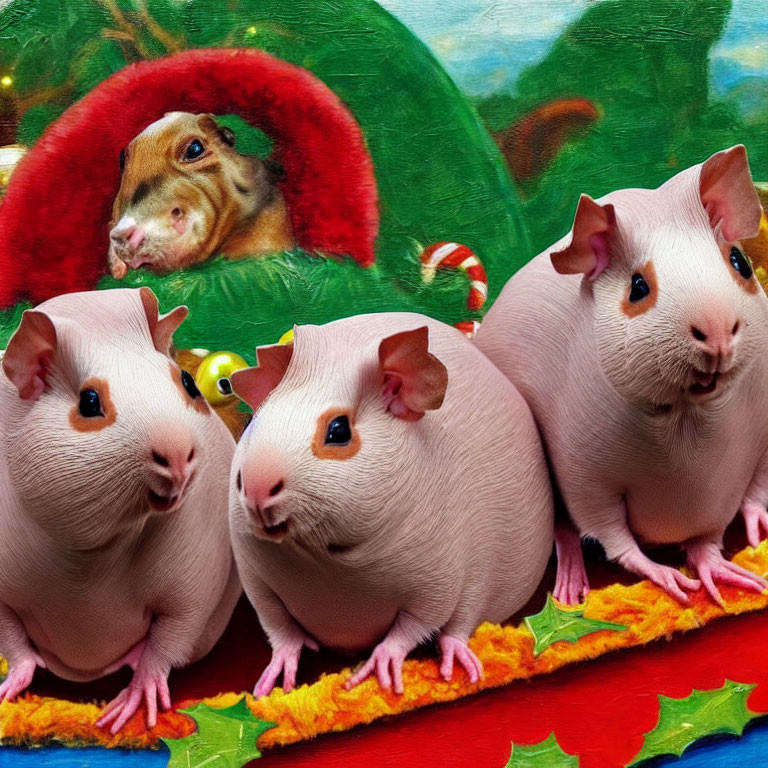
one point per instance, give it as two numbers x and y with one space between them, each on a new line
128 236
261 487
172 463
716 333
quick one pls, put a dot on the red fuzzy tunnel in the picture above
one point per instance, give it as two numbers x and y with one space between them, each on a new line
55 215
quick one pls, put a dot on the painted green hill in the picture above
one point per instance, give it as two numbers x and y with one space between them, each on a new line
646 68
439 174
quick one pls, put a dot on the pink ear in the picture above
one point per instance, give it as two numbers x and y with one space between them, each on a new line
254 384
588 252
414 380
161 327
29 354
728 194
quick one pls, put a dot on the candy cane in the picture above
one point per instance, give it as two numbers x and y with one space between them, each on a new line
467 327
457 256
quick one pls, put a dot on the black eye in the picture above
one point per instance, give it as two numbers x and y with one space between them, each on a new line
194 150
224 385
339 432
122 159
740 263
189 384
639 288
90 404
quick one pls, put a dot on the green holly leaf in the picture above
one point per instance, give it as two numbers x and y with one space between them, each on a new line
553 624
545 754
225 738
703 713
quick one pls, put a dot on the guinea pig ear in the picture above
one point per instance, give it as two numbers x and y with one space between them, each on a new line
414 381
728 194
161 327
588 252
29 354
254 384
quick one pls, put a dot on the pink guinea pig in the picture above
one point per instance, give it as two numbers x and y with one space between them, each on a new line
113 501
640 341
390 488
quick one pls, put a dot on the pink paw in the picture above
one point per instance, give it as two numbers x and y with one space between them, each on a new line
18 678
387 660
285 660
451 646
147 684
673 582
755 521
571 583
710 565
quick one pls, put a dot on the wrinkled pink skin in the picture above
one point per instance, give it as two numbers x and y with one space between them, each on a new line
443 522
91 577
639 458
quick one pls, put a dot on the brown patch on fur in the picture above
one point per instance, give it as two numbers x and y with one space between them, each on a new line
200 404
323 451
95 423
751 285
633 309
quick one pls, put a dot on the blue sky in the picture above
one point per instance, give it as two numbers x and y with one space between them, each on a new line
484 44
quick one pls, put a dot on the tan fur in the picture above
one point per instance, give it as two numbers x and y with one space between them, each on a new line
230 203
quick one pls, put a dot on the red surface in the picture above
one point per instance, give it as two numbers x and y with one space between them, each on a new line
598 710
54 218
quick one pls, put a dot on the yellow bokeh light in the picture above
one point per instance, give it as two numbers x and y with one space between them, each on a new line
6 81
251 30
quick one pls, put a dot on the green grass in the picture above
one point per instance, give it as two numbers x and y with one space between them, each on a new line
238 305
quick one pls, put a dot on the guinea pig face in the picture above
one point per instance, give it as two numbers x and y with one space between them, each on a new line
177 200
678 312
113 433
325 461
678 316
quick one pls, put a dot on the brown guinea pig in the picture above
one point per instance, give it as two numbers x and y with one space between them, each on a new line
187 195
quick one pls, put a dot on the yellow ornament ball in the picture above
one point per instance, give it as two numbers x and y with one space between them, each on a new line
212 377
286 338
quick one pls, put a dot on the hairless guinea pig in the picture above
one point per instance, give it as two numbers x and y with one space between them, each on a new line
113 501
186 194
640 341
391 486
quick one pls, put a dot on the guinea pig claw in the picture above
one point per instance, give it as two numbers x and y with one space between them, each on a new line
18 679
712 567
451 646
571 583
150 686
285 660
387 660
756 522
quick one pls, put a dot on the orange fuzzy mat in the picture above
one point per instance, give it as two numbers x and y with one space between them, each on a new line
325 706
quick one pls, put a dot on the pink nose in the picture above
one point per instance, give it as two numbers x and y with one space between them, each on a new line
133 236
261 491
716 333
173 455
260 483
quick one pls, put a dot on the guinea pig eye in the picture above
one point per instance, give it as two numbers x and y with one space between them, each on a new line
194 150
740 263
90 404
339 431
224 386
122 159
639 289
188 382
